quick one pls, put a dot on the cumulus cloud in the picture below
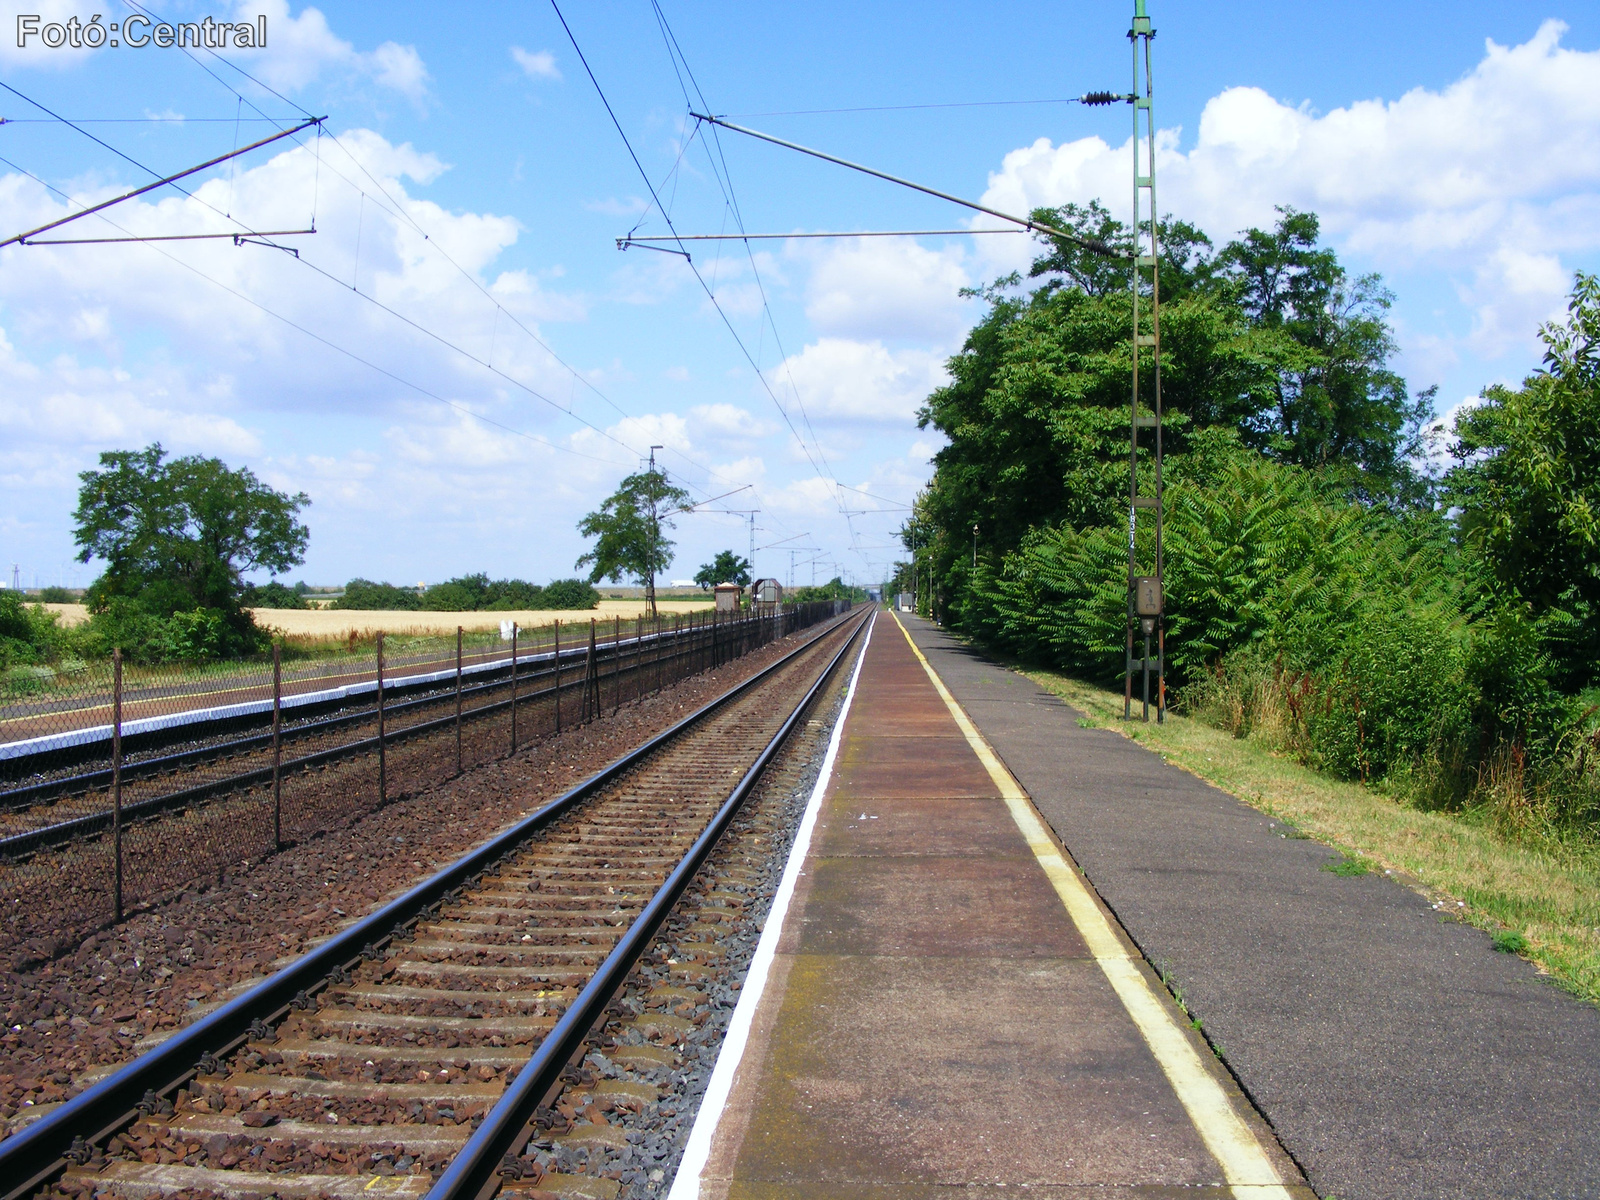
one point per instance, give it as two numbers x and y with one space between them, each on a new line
107 350
537 64
848 382
1500 169
888 288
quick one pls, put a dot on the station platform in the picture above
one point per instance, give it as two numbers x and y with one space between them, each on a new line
947 1004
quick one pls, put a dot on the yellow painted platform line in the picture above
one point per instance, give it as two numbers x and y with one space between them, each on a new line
1244 1161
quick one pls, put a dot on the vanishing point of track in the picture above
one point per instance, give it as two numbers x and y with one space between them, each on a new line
431 1036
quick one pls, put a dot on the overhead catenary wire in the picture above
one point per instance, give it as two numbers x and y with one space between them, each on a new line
317 337
400 211
724 179
656 199
1027 223
371 299
160 180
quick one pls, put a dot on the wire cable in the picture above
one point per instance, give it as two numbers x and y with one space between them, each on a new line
293 324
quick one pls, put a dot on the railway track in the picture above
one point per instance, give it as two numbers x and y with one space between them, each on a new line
414 1051
61 808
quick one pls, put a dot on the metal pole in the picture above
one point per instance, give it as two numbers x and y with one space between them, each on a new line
116 777
383 778
458 699
277 745
558 675
513 687
616 669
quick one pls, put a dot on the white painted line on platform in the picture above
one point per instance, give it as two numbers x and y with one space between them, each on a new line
1244 1161
696 1152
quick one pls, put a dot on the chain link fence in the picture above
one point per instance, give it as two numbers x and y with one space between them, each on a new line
122 784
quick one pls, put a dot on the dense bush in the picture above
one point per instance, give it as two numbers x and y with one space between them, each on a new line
55 594
198 635
272 595
364 594
28 634
568 594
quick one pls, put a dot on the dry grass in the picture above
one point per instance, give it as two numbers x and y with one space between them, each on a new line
1545 890
338 624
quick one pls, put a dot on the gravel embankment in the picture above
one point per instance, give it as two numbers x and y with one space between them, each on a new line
68 1022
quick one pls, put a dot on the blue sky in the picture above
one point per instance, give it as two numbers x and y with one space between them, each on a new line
474 185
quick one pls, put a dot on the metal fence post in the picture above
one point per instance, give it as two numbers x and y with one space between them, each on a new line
591 707
558 674
277 745
458 699
116 776
513 687
383 779
616 669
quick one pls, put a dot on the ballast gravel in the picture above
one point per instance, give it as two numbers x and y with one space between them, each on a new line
73 1020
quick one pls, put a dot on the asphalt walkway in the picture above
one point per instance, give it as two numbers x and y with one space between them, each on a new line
1396 1054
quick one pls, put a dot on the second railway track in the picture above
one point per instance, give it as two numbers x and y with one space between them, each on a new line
435 1030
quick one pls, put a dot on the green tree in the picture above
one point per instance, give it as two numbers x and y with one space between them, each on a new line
1527 482
365 595
1268 338
727 567
272 594
568 594
627 531
178 535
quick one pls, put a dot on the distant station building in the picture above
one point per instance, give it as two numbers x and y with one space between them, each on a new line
906 602
728 597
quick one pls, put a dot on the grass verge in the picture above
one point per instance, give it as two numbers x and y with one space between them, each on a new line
1537 898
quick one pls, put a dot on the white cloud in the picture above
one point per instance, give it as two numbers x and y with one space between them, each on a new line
538 64
889 288
1498 170
115 348
848 382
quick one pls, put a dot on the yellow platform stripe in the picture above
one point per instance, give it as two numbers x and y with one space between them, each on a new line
1244 1161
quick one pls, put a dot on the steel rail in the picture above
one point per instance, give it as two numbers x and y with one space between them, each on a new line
474 1172
60 833
191 730
35 1154
88 781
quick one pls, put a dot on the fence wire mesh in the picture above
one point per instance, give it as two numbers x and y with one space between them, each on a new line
206 779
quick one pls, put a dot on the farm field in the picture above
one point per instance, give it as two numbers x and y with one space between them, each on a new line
340 623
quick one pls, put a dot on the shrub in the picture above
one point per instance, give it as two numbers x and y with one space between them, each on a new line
567 594
272 595
199 635
363 594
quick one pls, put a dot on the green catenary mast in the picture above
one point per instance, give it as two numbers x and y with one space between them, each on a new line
1146 604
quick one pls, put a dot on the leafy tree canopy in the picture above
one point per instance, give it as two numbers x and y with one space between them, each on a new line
176 537
627 531
365 595
1269 337
727 567
1527 483
272 594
